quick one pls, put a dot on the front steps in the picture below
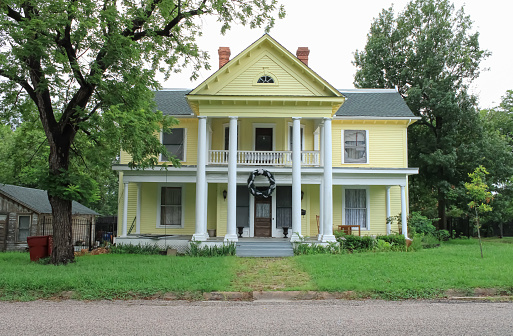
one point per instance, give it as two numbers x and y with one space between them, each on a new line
264 249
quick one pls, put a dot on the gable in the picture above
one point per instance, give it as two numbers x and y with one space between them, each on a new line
265 57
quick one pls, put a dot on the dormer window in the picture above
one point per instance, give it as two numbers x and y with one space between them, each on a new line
265 80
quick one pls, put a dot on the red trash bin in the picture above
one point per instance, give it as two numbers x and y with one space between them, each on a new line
39 247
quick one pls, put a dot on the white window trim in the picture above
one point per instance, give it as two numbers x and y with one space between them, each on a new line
366 147
290 124
266 73
227 125
367 200
159 200
184 144
17 233
264 125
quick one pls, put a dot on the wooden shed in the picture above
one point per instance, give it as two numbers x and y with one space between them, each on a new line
27 212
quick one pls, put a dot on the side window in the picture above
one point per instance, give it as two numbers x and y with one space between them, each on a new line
355 146
23 228
171 206
174 143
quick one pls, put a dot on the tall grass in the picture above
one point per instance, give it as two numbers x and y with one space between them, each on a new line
111 276
427 273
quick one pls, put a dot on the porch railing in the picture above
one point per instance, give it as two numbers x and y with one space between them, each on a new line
263 158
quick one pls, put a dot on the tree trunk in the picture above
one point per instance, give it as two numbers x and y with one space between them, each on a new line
442 217
479 234
60 145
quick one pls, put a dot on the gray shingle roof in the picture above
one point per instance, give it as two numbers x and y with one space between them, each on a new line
173 101
37 200
359 103
373 103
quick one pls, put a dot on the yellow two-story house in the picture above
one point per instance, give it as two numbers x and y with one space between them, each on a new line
270 149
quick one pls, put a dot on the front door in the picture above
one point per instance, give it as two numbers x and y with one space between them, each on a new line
263 217
3 231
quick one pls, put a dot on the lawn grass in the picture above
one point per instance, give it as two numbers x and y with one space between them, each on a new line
424 274
390 275
111 276
268 274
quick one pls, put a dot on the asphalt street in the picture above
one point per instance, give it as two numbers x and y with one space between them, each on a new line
328 317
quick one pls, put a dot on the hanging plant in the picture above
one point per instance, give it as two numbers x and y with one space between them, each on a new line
251 183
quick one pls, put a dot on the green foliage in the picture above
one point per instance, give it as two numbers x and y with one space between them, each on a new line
393 239
431 54
88 69
196 250
421 224
145 249
302 248
477 189
357 243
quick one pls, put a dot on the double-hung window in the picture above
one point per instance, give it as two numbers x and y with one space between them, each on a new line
171 206
175 143
355 146
356 207
23 228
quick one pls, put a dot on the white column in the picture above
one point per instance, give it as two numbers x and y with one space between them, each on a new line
200 233
328 184
321 211
404 212
138 212
231 234
387 201
296 179
321 159
125 210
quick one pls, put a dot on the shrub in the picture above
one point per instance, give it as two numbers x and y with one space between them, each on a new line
397 240
442 235
195 250
136 249
357 243
302 248
421 224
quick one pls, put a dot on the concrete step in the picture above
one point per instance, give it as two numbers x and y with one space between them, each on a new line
264 249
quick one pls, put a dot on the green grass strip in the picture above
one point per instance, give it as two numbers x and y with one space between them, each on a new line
424 274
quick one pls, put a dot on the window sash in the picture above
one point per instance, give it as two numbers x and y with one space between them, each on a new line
355 146
174 143
171 206
23 228
356 207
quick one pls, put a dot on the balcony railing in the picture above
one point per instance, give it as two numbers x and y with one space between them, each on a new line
263 158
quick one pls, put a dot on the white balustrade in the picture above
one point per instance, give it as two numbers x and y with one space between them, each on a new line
263 158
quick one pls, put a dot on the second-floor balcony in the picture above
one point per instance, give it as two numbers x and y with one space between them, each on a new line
264 158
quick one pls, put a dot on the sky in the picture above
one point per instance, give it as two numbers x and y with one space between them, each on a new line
334 29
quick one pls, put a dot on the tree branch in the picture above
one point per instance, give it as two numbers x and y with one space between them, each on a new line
13 14
22 82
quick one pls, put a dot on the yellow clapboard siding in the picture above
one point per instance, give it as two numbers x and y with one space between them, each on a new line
286 81
386 147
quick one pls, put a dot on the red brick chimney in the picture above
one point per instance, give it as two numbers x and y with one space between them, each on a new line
302 53
224 56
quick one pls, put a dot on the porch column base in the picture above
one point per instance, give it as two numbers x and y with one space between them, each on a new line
328 238
231 238
200 236
294 237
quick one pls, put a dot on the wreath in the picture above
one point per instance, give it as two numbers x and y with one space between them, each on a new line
251 183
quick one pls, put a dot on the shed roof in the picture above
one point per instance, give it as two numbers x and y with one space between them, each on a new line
37 200
373 103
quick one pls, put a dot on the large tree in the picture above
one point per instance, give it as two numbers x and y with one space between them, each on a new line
89 69
430 54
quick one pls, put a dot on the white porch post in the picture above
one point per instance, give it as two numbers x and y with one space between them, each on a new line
125 210
231 234
387 201
328 184
200 233
296 179
403 212
321 211
138 212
